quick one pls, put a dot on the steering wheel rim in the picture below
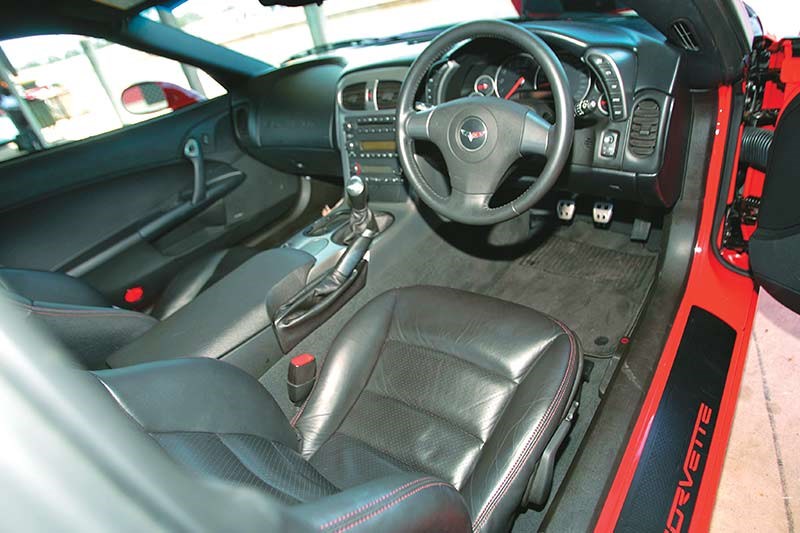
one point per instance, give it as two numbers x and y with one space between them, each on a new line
480 138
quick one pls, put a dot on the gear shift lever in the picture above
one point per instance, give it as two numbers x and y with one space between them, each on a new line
356 193
360 231
361 216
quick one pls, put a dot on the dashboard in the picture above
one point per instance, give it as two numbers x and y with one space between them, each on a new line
334 114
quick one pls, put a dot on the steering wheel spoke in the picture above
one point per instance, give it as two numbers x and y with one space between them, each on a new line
468 203
418 124
536 135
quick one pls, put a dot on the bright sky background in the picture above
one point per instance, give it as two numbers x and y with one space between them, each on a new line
779 17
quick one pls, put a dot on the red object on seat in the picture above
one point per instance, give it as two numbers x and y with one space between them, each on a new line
302 359
134 294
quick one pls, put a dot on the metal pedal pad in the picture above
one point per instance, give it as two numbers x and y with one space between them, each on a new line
602 212
641 230
565 209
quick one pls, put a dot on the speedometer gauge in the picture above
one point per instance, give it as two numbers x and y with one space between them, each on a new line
517 76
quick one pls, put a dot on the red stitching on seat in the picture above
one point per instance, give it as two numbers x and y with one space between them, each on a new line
530 445
389 505
370 504
89 314
81 313
299 412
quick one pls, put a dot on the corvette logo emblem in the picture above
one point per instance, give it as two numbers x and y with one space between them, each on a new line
472 134
692 470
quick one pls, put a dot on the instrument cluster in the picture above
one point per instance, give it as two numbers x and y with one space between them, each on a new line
518 77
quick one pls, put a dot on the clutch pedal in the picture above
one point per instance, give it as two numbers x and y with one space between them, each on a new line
602 213
565 209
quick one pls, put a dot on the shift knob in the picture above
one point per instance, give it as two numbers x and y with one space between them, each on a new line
356 190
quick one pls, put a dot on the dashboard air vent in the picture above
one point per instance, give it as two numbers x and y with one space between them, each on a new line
685 36
353 96
644 128
387 93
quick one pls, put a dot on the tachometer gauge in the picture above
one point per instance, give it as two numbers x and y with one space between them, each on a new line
580 81
516 76
485 86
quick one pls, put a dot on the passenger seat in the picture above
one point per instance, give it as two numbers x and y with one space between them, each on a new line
87 323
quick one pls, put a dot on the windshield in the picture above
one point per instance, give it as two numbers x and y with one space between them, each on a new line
274 34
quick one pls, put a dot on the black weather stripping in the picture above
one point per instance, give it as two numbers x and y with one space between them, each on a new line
664 489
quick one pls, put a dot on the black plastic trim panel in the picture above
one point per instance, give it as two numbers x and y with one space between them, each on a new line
286 118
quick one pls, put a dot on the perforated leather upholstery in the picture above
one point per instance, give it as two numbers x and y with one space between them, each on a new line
425 390
459 386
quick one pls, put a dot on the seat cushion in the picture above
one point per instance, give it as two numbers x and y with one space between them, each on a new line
217 421
463 387
250 460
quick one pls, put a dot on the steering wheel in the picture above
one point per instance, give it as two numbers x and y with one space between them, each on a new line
481 138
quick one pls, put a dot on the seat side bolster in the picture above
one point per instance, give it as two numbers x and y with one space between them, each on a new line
38 285
501 476
406 502
197 395
345 372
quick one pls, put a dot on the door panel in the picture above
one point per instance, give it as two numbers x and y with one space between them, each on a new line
95 208
775 246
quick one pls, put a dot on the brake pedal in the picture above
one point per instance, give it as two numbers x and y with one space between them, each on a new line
602 213
565 209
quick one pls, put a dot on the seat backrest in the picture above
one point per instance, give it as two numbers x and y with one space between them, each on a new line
74 313
68 446
53 287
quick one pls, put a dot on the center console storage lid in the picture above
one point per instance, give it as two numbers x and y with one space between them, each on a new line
227 314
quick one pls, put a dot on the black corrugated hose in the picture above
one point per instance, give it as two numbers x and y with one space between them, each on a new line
756 143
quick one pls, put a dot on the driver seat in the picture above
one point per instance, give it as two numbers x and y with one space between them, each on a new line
432 410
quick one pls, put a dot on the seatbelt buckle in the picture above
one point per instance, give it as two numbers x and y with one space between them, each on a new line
301 378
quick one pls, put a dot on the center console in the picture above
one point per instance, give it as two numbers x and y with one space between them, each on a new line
366 130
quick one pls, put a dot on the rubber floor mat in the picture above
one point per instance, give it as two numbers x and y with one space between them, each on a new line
598 291
593 263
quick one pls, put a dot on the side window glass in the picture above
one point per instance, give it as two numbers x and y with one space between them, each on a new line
56 89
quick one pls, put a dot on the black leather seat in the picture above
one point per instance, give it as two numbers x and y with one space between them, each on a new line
431 412
87 323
